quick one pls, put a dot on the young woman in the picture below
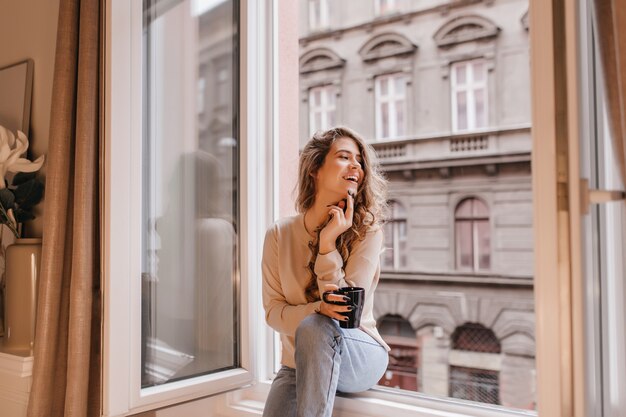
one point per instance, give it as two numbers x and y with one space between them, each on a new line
335 241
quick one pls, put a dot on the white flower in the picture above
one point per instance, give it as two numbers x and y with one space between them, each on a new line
11 150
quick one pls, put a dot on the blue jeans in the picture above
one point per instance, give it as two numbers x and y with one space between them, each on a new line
328 359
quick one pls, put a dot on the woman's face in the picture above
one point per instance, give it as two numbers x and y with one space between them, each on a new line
341 171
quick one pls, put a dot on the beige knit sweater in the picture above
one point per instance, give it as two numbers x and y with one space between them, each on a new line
286 255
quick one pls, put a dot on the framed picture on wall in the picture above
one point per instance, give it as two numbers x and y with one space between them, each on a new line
16 86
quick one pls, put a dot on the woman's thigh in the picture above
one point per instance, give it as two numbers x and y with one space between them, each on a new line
363 361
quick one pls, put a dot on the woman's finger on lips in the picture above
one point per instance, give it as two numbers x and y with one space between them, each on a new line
350 205
336 212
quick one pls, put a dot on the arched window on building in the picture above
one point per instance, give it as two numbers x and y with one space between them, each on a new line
394 256
473 375
469 74
473 235
404 355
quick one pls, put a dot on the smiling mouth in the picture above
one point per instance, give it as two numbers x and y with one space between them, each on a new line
352 179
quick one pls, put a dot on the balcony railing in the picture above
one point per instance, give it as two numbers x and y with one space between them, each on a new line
469 143
496 145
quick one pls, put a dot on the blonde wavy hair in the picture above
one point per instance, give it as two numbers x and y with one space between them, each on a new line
370 203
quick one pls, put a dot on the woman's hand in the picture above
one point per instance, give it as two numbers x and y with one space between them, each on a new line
339 223
333 310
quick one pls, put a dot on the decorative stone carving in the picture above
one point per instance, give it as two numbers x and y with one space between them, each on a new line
320 59
386 45
462 29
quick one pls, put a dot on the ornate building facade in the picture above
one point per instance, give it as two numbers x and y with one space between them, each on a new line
442 91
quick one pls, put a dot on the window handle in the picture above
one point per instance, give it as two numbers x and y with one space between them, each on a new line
592 196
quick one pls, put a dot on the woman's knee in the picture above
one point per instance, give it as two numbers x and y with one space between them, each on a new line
317 328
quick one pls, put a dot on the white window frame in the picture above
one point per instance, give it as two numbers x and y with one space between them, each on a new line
557 291
323 22
560 383
122 393
325 108
470 87
391 98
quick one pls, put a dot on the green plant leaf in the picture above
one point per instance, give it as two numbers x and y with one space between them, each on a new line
29 193
22 177
22 216
4 219
7 199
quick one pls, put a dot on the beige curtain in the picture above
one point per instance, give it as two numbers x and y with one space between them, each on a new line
66 373
610 19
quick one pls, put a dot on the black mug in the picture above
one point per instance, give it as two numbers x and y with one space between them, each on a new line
357 298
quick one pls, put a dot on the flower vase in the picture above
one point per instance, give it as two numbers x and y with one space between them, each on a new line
6 238
21 279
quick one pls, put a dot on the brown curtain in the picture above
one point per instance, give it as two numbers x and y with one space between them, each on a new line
610 19
66 372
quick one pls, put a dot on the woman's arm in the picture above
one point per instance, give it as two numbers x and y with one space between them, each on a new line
362 264
279 314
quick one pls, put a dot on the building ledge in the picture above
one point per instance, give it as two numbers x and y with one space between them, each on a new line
475 279
481 147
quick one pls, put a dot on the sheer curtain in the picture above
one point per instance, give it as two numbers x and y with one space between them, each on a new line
610 17
66 372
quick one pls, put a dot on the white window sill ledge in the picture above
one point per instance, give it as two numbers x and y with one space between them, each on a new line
373 403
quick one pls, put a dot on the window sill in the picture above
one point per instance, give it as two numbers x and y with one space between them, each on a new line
374 403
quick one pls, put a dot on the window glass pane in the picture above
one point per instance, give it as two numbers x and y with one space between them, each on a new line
387 256
479 71
479 109
479 385
316 95
460 71
404 355
401 230
385 6
315 11
384 110
331 96
475 337
384 86
190 187
464 242
400 118
484 245
461 110
318 121
479 208
465 208
399 85
332 121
